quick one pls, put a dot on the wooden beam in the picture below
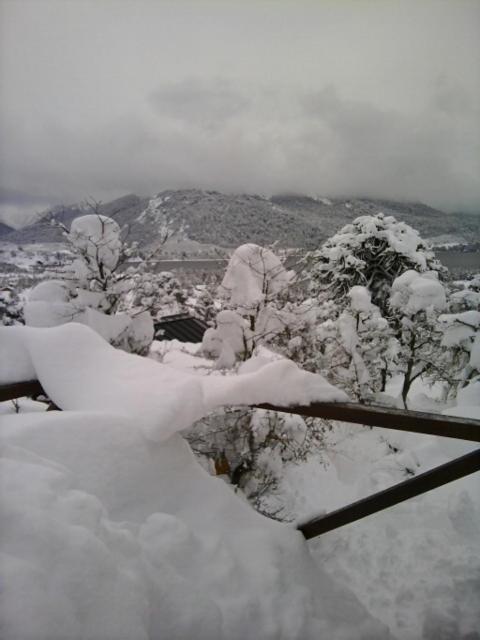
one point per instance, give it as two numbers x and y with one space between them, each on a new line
422 483
400 419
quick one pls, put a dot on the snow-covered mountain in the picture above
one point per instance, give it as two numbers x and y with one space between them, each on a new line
5 229
227 220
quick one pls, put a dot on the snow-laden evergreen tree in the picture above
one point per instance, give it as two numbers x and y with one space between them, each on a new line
371 252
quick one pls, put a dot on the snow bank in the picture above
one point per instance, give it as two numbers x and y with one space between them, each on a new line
108 535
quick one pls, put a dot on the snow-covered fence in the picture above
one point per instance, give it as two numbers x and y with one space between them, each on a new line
413 421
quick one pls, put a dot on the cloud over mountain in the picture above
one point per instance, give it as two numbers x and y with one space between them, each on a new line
103 99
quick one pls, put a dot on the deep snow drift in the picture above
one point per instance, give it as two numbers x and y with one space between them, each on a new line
111 528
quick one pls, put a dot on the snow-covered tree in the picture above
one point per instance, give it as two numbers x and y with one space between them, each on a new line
416 300
357 348
255 307
371 251
100 289
258 318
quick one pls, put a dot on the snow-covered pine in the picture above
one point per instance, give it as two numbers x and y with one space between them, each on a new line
371 251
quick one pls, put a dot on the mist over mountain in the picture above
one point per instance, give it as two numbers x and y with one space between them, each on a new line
224 220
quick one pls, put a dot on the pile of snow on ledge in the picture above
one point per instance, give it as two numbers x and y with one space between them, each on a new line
81 371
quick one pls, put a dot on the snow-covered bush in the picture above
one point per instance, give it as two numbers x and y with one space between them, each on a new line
252 450
10 307
371 251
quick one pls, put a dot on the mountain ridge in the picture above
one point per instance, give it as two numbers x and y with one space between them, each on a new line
226 220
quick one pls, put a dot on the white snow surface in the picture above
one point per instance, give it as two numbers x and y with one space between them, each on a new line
110 534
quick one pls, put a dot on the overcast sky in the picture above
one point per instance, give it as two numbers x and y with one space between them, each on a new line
109 97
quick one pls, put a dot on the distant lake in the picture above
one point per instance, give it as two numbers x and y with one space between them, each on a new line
207 264
459 260
453 260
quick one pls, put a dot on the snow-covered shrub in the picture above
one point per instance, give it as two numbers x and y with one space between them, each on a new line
161 294
202 300
371 251
252 449
461 340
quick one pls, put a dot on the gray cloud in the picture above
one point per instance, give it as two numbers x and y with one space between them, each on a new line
208 104
316 99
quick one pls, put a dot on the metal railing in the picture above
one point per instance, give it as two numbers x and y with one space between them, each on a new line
388 418
412 421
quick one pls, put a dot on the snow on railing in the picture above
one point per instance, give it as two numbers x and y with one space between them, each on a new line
413 421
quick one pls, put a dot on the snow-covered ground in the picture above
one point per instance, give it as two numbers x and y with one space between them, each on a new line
111 529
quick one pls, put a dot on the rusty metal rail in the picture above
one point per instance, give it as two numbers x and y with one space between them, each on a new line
412 421
458 468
